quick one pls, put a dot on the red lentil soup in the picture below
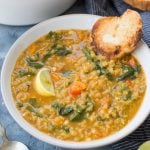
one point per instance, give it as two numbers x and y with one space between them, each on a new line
94 96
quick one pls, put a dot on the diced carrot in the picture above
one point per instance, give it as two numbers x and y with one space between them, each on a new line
77 88
132 62
74 90
128 82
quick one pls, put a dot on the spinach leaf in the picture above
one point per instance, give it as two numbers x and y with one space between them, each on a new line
137 68
46 56
19 105
36 65
54 36
67 110
126 75
63 52
90 55
89 106
58 107
33 102
128 95
32 109
65 128
130 73
23 73
75 112
78 114
34 58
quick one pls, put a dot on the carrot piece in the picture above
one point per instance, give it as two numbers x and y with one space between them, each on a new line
132 62
77 88
129 82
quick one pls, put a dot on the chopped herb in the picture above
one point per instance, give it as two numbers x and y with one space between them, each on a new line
63 52
67 110
32 109
46 56
33 102
19 105
34 58
56 49
90 55
36 65
23 73
75 112
54 36
137 68
58 107
130 73
128 96
78 114
89 106
66 129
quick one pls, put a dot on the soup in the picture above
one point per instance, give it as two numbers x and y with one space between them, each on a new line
92 97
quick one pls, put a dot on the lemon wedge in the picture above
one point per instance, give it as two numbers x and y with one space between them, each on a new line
145 146
43 83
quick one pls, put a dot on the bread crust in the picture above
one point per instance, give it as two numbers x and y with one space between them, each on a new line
140 4
111 25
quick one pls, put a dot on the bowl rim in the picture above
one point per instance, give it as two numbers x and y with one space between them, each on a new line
51 140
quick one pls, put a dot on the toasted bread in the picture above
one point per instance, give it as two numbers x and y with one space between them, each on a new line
140 4
117 36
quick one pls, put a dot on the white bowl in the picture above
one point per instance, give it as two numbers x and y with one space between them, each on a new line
69 22
25 12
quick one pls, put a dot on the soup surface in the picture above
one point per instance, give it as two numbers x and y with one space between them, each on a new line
93 96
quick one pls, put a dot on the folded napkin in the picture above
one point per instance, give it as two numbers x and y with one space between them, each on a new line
117 7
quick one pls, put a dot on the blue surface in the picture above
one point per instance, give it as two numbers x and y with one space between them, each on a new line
8 35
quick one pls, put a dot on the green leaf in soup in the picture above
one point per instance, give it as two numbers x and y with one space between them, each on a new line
89 106
126 75
19 105
36 65
128 95
33 102
58 107
32 109
23 73
137 68
46 56
67 110
126 67
34 58
54 36
78 114
63 52
65 128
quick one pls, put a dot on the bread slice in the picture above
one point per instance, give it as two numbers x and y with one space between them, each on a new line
117 36
140 4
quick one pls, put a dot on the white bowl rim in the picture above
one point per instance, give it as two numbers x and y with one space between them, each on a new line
54 141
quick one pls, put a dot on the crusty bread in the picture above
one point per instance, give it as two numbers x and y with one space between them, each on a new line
117 36
140 4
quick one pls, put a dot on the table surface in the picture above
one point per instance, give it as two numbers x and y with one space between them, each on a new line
8 35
